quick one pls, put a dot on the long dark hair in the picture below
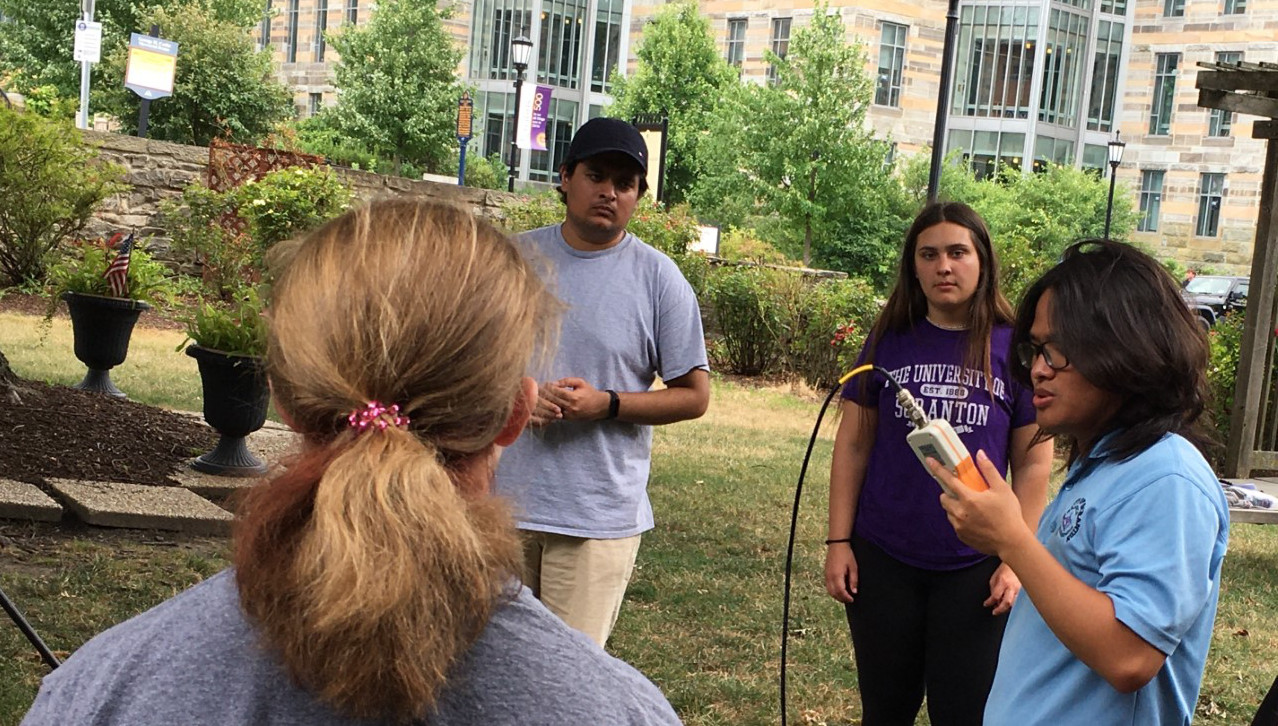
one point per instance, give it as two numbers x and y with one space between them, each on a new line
1118 317
907 305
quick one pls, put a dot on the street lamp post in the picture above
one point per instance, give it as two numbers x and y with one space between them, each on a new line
520 52
1115 158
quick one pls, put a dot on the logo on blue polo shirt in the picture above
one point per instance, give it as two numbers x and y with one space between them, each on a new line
1072 519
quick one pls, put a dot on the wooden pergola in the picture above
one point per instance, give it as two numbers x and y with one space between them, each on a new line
1252 88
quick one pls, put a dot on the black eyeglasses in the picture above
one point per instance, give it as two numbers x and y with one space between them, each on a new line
1026 352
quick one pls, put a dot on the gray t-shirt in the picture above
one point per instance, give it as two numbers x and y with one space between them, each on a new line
631 316
196 659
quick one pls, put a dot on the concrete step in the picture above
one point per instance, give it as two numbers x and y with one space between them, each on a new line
19 500
113 504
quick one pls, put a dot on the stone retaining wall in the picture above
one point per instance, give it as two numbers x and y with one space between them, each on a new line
159 170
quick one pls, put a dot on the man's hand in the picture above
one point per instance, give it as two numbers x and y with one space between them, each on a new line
989 521
576 399
1004 586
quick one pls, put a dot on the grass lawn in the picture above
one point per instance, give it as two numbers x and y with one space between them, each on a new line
703 614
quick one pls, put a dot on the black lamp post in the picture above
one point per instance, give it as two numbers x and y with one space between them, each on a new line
943 102
520 52
1115 158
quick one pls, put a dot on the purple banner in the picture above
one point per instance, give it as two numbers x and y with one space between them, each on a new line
537 127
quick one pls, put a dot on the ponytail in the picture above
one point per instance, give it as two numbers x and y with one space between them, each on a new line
370 572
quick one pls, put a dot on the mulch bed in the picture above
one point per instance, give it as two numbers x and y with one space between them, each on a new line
57 432
63 433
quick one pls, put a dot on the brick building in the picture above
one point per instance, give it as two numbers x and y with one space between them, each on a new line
1035 81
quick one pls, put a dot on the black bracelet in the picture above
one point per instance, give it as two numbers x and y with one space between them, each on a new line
614 404
837 541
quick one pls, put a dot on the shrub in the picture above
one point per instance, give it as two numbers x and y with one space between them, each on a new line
282 204
195 224
288 202
831 320
671 230
525 213
488 172
322 135
50 182
751 309
1224 343
742 245
695 267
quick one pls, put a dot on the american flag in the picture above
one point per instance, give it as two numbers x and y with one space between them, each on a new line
117 273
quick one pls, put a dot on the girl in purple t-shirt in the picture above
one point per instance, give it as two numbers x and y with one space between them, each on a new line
927 612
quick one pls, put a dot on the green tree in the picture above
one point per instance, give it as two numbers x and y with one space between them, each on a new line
51 183
799 150
680 72
1032 216
37 37
222 87
398 81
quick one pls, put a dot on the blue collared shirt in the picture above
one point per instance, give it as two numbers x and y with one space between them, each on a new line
1149 532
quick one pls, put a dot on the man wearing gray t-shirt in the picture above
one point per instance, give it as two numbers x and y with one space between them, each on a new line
579 480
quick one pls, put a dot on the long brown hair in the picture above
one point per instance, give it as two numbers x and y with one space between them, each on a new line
368 564
907 305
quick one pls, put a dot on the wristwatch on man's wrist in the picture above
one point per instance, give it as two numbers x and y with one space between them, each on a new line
614 404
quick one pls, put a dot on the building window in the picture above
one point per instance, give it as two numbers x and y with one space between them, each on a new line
1235 7
989 153
562 37
1109 51
496 108
264 32
887 91
1151 198
736 41
290 55
995 57
352 12
1211 190
1164 93
607 45
1062 93
321 25
1173 8
780 45
1095 159
560 122
1220 122
1115 7
315 101
1049 151
494 23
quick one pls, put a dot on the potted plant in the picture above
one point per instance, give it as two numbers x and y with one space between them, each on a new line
103 312
230 232
228 342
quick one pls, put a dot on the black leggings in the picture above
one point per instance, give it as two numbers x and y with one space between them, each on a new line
921 631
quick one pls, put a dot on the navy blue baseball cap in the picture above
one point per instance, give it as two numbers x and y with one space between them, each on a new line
602 135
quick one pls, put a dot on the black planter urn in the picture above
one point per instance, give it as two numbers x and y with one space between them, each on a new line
101 327
235 403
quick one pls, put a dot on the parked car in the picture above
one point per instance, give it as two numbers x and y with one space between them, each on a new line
1212 296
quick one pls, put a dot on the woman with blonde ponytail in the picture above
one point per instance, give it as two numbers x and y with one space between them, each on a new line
375 577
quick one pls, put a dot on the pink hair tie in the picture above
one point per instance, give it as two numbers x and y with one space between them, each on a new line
376 415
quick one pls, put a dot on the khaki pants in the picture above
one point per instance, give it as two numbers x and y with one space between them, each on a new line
583 581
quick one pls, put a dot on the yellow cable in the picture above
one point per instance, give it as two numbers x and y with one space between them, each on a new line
859 369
